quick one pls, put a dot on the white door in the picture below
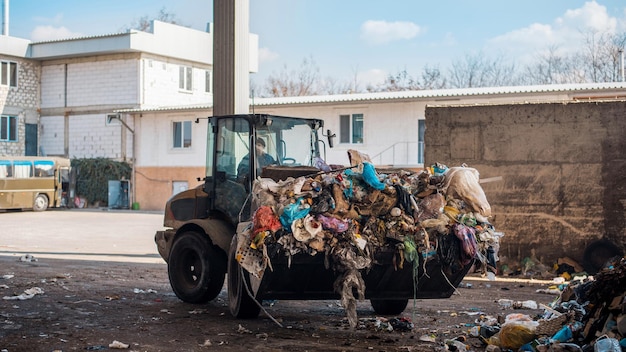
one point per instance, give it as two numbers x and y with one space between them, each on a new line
179 186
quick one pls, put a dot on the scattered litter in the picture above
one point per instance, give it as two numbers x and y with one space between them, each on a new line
206 343
243 330
588 315
27 258
4 286
528 304
112 297
262 335
428 338
118 345
27 294
87 301
472 313
8 276
549 290
136 290
457 344
508 303
505 303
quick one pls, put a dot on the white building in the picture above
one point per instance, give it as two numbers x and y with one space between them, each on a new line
67 87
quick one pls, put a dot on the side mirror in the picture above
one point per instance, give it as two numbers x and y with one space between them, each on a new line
331 138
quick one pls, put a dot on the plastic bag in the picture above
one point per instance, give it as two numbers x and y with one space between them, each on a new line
294 211
515 335
371 177
264 219
462 182
468 241
430 207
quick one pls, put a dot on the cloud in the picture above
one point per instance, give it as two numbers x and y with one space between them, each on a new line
46 33
565 34
380 32
591 16
267 55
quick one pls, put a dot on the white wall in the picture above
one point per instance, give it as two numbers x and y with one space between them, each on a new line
52 86
97 82
52 134
161 84
102 83
92 138
154 142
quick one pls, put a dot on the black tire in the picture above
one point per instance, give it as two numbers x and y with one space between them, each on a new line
241 305
389 306
597 254
196 270
40 203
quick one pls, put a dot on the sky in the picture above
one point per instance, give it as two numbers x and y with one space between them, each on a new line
360 41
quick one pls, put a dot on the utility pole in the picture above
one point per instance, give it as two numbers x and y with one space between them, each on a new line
231 57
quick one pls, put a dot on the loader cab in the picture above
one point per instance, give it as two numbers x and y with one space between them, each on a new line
290 144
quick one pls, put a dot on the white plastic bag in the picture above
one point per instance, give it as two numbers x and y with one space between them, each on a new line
462 183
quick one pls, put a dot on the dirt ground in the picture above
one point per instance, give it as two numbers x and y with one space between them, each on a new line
87 305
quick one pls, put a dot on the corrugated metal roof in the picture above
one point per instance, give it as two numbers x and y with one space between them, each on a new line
440 93
409 94
81 38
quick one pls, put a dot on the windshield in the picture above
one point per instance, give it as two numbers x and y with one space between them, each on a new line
276 140
289 141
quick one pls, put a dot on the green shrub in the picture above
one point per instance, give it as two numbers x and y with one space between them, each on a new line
93 176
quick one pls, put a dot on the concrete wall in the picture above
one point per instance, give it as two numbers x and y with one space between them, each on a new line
563 169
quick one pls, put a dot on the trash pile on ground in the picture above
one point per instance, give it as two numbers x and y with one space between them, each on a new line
589 315
350 213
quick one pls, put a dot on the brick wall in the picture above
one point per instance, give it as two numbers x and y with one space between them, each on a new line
21 101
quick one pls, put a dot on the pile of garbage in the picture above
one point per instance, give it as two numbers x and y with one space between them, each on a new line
589 315
349 214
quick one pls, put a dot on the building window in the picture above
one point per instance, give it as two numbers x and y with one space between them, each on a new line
182 134
185 78
8 128
8 72
351 128
207 81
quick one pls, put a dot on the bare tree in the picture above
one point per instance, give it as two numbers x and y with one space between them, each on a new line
432 79
144 22
598 60
399 82
332 85
600 56
287 83
480 71
549 68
